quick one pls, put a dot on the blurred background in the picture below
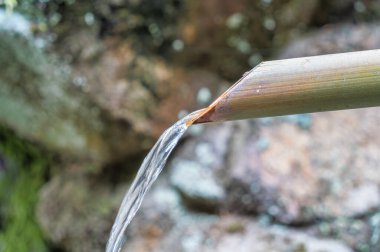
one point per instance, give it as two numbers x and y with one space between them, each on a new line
86 87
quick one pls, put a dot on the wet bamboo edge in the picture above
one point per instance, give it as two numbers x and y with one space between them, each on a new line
300 85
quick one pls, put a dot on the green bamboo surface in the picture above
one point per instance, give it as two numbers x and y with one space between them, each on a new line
301 85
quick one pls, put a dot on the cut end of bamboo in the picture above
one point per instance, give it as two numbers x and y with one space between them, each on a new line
196 116
204 117
300 85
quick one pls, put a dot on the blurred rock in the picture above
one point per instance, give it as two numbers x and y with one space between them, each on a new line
335 39
142 91
319 177
230 37
206 194
270 178
299 175
74 208
209 233
160 212
255 238
103 111
194 173
69 213
237 164
38 103
361 234
363 199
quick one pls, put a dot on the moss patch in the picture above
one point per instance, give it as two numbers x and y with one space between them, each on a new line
20 181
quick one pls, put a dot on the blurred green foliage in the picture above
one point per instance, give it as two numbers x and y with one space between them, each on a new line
10 4
20 181
42 13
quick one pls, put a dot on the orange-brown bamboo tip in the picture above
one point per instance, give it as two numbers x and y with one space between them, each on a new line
195 116
300 85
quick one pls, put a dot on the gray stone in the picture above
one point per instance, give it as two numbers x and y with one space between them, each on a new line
196 183
362 199
195 171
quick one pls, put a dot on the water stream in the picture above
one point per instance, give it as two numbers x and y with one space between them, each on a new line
147 174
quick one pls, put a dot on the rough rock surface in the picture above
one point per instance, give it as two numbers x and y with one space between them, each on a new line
69 215
288 172
201 232
194 172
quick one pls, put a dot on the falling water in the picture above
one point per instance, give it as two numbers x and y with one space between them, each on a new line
147 174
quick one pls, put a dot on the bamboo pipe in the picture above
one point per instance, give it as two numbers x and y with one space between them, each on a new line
301 85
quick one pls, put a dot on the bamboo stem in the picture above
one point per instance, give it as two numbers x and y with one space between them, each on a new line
301 85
